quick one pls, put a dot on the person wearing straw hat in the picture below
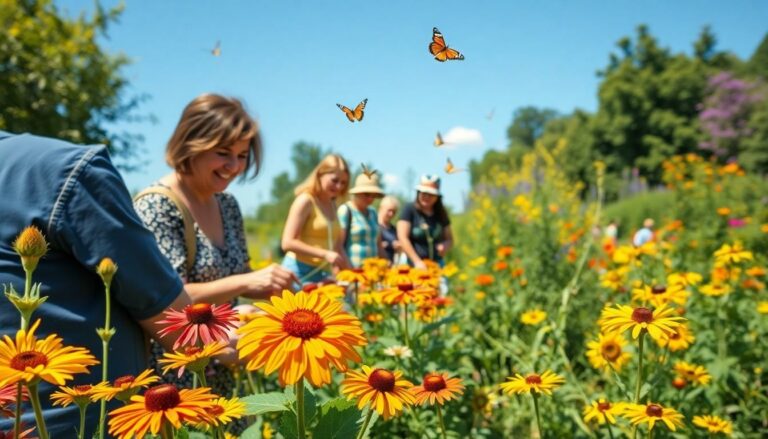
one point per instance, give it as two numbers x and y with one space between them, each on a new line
424 229
359 220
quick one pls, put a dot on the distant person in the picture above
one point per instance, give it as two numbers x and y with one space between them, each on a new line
424 229
645 234
312 235
214 142
77 198
611 231
359 222
388 208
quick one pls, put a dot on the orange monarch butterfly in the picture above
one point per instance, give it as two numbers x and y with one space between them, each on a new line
368 172
439 140
450 169
440 50
357 114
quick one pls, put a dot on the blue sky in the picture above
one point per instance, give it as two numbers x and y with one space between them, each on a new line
292 61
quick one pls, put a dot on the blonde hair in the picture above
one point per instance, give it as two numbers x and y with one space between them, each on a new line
389 200
212 121
330 163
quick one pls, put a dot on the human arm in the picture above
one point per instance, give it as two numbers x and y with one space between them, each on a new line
259 284
403 235
446 243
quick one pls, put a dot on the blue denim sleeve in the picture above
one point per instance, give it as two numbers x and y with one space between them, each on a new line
97 220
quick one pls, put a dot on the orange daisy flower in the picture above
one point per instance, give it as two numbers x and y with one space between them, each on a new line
301 335
354 275
125 386
8 397
437 387
79 395
386 391
533 382
222 412
159 406
659 322
406 293
209 322
29 360
192 357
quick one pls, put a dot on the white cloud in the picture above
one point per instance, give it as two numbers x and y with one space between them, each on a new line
391 181
463 136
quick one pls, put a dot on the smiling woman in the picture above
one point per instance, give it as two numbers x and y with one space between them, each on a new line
197 225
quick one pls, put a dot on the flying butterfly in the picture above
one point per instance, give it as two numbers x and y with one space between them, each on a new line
216 51
450 169
357 114
439 140
368 172
440 50
489 116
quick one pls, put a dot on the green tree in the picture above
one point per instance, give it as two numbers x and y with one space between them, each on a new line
648 101
758 62
55 79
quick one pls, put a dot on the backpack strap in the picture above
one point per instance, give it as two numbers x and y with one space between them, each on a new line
348 225
190 239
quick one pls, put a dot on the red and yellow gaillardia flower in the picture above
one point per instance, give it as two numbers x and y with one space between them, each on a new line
385 391
29 360
222 412
651 414
159 406
78 395
193 357
208 322
714 424
437 387
125 387
301 335
658 323
354 275
603 411
607 352
533 383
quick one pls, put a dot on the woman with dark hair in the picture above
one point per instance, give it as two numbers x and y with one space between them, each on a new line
424 229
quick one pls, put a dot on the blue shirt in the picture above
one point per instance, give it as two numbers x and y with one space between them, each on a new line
76 197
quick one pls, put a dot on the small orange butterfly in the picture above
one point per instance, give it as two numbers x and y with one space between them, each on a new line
439 140
368 172
440 50
450 169
216 51
357 114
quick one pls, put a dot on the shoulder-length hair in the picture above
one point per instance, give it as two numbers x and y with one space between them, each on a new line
438 208
330 163
212 121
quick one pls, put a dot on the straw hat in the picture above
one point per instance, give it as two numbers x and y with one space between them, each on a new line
429 184
367 185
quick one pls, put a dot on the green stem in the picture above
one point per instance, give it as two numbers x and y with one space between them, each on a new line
105 355
367 421
405 323
536 409
17 421
251 384
610 430
442 422
300 408
35 399
639 367
203 381
81 432
650 433
166 432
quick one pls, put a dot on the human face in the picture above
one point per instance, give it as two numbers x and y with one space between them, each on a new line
389 211
365 200
333 184
427 200
213 170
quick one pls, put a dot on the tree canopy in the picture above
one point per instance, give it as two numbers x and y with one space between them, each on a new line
56 80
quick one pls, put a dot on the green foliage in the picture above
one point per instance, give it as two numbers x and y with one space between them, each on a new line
339 419
630 212
266 403
758 62
55 79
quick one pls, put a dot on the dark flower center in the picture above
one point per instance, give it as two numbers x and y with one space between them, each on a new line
28 359
611 351
659 289
642 315
216 410
654 410
309 287
192 350
303 323
82 389
533 379
405 287
403 270
434 382
674 336
199 313
357 271
125 379
162 397
603 406
382 380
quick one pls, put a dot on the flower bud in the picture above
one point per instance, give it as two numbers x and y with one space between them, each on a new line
31 246
106 269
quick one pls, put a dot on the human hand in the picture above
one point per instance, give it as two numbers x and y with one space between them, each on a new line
420 265
270 280
396 245
333 258
440 247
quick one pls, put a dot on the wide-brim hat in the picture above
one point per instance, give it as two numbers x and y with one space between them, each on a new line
367 185
429 184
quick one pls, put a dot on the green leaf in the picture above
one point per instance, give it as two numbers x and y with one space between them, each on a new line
339 420
266 403
434 325
310 402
